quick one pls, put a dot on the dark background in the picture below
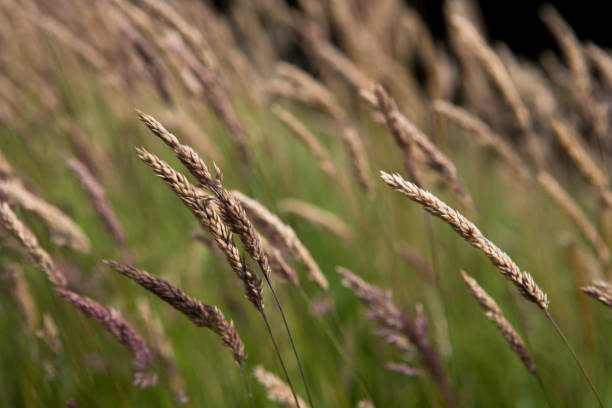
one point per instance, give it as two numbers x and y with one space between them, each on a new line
517 22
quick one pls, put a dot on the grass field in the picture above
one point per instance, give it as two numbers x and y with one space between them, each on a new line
72 77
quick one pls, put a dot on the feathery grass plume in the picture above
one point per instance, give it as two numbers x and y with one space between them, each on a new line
570 46
600 291
97 197
116 325
201 314
495 314
573 211
64 231
381 308
464 227
583 161
276 389
365 404
317 216
308 90
414 259
386 105
308 139
485 135
477 46
205 210
163 350
406 133
278 263
26 237
283 234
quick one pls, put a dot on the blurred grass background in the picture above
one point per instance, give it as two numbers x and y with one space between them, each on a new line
95 370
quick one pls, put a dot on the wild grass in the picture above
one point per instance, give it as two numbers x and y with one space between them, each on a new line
280 119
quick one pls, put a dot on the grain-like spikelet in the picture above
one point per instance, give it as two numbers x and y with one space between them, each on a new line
386 105
573 211
308 139
407 133
317 216
97 197
207 213
233 214
485 135
495 314
464 227
116 325
278 264
599 292
201 314
404 369
284 234
64 231
26 237
583 161
569 45
477 46
276 389
309 91
381 308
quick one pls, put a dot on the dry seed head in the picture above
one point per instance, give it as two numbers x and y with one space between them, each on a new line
276 389
115 324
573 211
26 237
317 216
583 161
233 214
201 314
97 197
464 227
308 139
570 46
64 231
404 369
595 292
284 234
490 61
495 314
206 212
485 135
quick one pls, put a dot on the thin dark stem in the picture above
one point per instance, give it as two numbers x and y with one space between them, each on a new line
360 379
569 347
246 386
280 358
295 353
544 391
